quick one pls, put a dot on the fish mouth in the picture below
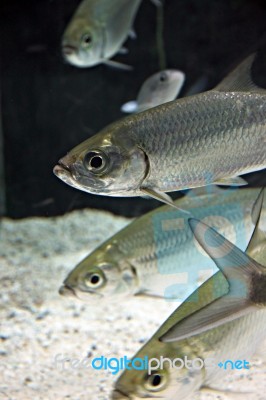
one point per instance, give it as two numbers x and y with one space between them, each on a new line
63 172
119 395
68 50
67 291
62 164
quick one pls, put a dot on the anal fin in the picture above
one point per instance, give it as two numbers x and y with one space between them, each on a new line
232 181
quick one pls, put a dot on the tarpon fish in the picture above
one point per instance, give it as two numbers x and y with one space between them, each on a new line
158 89
156 254
246 278
97 31
238 338
207 138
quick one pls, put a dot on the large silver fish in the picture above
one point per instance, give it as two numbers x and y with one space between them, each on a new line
156 255
237 340
97 31
158 89
195 141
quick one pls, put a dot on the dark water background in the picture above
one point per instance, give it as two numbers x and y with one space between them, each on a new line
48 106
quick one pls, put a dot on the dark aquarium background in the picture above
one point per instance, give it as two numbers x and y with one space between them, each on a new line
48 106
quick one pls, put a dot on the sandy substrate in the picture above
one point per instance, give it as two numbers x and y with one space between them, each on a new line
38 326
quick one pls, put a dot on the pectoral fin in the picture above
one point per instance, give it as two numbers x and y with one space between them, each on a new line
231 394
239 270
163 197
118 65
219 312
145 292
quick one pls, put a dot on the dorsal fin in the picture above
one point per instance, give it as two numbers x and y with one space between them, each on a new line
240 80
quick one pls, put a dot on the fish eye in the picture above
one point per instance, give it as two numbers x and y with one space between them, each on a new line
94 280
95 161
86 40
163 77
156 381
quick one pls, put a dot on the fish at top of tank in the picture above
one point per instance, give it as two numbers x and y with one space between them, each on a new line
211 137
97 31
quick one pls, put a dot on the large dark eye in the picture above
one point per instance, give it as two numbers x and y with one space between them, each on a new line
93 280
86 40
155 381
163 77
95 161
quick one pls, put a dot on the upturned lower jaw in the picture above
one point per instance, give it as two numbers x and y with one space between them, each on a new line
67 291
118 395
63 174
58 170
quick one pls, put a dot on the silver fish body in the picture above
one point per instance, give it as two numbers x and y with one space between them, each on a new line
160 88
218 345
236 340
157 255
204 139
207 138
97 30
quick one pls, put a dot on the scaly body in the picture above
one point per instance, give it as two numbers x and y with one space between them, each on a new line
236 339
157 255
201 139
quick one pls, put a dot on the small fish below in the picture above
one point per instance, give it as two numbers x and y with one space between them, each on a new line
158 89
246 278
209 138
238 337
157 255
97 32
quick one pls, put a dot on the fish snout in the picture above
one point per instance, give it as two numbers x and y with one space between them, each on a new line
63 165
68 50
65 162
67 291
